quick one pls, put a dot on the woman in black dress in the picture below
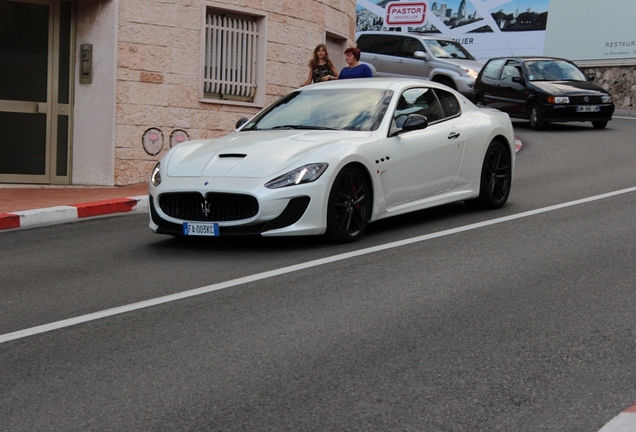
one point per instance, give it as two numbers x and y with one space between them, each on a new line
320 67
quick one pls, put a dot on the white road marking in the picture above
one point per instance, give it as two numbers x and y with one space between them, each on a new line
297 267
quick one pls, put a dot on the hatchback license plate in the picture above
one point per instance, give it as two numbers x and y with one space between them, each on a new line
588 108
201 229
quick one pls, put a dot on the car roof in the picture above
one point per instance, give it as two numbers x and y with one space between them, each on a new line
427 36
387 83
526 58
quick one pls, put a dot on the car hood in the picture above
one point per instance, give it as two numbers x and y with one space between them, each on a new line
569 87
250 154
473 64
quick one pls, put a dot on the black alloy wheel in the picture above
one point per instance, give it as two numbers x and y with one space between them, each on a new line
496 179
349 206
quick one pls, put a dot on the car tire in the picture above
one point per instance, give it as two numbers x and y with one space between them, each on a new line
479 101
535 116
349 206
599 124
495 180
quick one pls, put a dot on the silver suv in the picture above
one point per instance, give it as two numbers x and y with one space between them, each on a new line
436 58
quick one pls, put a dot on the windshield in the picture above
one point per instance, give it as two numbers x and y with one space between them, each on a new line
448 49
554 70
325 108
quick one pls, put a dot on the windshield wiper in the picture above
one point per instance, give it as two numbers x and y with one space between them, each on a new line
303 127
318 127
286 127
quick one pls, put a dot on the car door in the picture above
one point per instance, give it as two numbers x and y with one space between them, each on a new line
406 63
487 82
425 162
510 90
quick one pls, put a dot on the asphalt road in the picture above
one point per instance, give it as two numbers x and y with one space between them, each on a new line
521 319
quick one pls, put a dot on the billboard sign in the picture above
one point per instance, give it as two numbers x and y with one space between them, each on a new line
405 13
487 28
577 29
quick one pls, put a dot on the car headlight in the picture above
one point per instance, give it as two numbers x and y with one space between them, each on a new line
470 73
155 176
606 99
558 99
304 174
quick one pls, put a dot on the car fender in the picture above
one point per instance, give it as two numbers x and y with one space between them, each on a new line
443 72
369 168
499 125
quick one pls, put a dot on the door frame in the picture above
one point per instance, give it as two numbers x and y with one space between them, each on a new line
57 114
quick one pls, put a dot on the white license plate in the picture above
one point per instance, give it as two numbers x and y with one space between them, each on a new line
588 108
201 229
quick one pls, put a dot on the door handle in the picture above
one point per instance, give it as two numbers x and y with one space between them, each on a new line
453 135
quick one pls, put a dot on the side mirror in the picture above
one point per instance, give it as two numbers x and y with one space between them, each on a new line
420 55
590 77
517 80
415 122
241 122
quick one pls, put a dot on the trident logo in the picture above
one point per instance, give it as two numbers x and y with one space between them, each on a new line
205 208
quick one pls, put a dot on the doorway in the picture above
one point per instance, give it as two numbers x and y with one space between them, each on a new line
335 47
35 91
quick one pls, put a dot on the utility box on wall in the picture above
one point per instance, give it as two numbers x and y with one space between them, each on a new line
86 64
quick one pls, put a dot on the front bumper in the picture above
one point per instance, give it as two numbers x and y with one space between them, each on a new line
568 113
293 210
465 86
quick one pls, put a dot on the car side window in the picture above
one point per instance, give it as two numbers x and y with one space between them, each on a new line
449 103
510 70
365 43
421 101
491 70
408 47
387 45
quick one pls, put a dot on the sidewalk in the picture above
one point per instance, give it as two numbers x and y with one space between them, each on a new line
23 206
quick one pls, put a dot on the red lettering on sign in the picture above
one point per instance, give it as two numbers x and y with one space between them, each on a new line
401 13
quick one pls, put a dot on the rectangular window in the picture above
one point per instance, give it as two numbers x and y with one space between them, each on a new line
233 43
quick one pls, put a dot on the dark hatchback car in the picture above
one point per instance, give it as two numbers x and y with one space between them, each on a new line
542 90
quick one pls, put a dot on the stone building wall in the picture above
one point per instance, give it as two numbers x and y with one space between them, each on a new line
620 81
158 68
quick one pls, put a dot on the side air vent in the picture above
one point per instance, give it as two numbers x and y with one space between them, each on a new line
232 155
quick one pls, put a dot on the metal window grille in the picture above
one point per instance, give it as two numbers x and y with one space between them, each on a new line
230 57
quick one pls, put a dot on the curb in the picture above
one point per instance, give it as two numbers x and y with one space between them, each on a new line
73 212
624 422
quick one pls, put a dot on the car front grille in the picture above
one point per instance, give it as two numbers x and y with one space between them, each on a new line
579 100
214 207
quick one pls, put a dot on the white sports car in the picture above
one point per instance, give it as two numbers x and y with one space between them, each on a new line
329 158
